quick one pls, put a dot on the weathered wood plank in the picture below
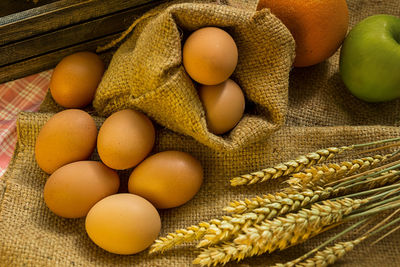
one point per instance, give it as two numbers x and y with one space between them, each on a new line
48 61
8 7
59 14
69 36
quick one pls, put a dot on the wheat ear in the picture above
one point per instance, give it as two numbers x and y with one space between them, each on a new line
280 232
280 203
320 175
289 167
194 232
331 254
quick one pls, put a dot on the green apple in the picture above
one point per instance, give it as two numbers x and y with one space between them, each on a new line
370 59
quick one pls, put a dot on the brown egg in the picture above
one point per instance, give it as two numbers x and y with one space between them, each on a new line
68 136
167 179
224 105
74 188
75 79
210 55
125 139
123 224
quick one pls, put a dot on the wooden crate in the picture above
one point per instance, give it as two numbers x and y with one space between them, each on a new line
35 37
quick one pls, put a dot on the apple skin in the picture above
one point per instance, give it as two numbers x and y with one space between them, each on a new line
370 59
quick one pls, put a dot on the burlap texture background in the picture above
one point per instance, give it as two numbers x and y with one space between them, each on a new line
146 72
30 235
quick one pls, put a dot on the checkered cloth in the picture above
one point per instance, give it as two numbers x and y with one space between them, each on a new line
24 94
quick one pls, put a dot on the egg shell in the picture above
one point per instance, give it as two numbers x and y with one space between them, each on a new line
210 55
125 139
74 188
75 79
123 224
67 136
167 179
224 105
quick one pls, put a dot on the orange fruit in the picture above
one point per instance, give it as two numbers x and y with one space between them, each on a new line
318 26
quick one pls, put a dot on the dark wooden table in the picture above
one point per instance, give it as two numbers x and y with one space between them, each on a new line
35 37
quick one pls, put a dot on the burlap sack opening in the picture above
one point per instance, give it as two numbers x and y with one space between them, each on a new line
146 72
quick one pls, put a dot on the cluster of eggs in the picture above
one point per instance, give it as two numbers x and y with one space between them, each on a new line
210 56
119 222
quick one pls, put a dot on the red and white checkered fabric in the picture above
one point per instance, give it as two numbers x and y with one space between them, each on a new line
24 94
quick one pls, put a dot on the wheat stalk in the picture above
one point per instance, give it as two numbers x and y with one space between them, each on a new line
331 254
359 185
319 175
259 209
283 169
273 205
305 161
280 232
383 179
254 228
324 244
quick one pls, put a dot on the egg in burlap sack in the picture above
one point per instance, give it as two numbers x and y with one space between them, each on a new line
146 73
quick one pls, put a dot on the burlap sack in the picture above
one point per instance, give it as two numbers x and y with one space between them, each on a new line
30 235
146 72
